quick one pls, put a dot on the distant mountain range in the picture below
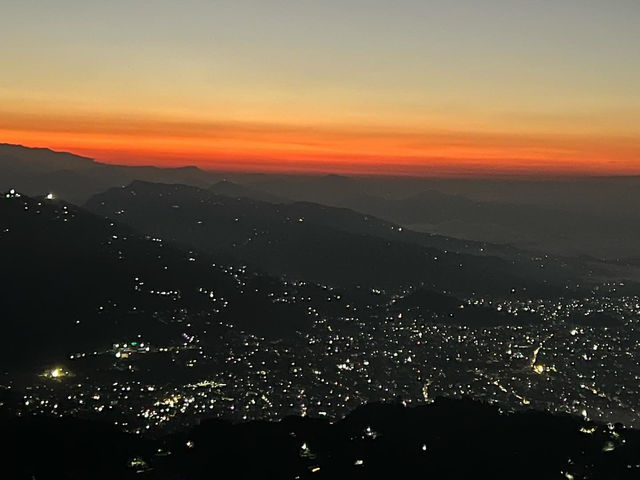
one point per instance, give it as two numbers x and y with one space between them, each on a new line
570 217
37 171
231 189
325 244
596 217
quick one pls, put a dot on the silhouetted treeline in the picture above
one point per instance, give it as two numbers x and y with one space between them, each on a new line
457 439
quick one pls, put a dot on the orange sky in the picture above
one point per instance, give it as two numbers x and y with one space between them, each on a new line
405 87
263 147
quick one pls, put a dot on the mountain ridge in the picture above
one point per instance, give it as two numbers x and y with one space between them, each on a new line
311 241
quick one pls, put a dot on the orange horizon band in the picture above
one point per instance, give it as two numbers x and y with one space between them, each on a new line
347 152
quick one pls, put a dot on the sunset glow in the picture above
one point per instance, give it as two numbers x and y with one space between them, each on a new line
369 87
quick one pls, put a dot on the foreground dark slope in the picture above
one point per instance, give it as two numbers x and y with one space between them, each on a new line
319 243
448 439
71 279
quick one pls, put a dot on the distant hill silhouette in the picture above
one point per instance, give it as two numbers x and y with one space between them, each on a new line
593 216
317 243
71 278
569 217
230 189
38 171
453 311
596 319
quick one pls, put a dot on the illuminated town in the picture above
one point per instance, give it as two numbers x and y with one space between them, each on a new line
362 355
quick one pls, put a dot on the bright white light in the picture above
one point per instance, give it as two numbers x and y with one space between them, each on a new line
539 369
50 196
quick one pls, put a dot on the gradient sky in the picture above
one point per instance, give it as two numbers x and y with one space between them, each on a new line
425 87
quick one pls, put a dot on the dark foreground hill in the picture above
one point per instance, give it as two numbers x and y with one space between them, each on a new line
322 244
450 439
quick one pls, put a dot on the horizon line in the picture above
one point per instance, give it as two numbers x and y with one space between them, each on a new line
319 172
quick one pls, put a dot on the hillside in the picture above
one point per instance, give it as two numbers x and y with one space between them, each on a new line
71 279
39 171
320 243
448 439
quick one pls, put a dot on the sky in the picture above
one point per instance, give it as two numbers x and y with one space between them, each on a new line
451 87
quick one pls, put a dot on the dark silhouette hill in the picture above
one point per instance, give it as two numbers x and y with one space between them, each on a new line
592 216
38 171
442 308
570 217
319 243
231 189
71 279
455 439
